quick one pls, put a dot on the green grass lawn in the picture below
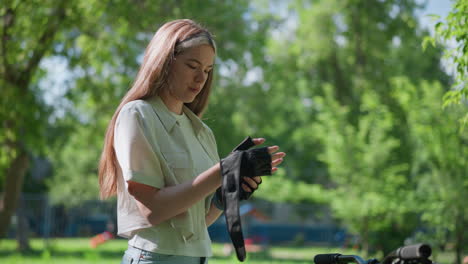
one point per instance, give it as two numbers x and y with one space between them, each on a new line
78 251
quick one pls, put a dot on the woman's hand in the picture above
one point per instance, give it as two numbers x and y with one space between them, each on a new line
276 159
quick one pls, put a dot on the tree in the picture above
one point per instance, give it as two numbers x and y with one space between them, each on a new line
24 115
370 189
440 171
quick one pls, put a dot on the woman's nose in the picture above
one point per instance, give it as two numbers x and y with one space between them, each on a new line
200 76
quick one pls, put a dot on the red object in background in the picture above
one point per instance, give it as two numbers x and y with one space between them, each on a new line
259 215
101 238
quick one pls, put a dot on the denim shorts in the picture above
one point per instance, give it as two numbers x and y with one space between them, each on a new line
135 255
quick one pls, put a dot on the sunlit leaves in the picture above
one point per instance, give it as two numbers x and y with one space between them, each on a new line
453 32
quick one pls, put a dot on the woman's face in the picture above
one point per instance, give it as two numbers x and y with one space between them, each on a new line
188 74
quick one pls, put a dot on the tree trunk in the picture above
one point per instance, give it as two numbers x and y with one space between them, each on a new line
13 184
459 235
343 91
22 232
365 236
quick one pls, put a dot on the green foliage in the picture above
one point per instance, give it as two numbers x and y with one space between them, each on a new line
279 188
454 29
370 188
327 100
442 178
75 168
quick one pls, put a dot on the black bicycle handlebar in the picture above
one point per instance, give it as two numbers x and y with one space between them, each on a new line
326 258
414 251
336 258
419 252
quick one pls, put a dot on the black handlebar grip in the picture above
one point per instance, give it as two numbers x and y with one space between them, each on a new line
414 251
326 258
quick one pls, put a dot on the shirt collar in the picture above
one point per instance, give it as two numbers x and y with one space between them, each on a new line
168 120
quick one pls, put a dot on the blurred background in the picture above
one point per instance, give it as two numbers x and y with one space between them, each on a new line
367 97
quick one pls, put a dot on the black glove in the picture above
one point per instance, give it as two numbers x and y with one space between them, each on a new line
255 162
250 163
244 195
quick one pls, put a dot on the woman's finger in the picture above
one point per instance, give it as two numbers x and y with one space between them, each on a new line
258 141
276 162
257 179
246 188
278 155
273 149
253 184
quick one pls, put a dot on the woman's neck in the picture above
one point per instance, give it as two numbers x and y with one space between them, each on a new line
172 103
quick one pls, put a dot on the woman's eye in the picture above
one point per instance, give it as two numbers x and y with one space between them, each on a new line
191 66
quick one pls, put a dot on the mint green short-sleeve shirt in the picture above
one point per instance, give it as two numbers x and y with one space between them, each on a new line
158 148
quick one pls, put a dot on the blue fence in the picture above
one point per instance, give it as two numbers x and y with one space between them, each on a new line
279 233
92 217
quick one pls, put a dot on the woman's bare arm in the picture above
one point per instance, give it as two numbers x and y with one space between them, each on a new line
158 205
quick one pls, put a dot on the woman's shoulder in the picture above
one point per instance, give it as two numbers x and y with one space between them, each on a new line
137 109
137 105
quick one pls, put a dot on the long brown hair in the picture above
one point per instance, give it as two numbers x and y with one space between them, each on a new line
151 79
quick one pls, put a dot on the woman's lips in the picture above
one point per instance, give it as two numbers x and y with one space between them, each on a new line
194 90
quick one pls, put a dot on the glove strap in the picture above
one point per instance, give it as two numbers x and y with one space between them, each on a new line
230 190
245 144
241 162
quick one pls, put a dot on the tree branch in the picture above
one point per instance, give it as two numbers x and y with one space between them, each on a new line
8 21
44 42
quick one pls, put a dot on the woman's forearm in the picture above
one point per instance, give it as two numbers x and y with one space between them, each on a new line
159 205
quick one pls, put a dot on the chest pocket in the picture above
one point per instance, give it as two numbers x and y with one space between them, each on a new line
180 164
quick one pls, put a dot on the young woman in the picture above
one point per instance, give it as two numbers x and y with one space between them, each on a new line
160 159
